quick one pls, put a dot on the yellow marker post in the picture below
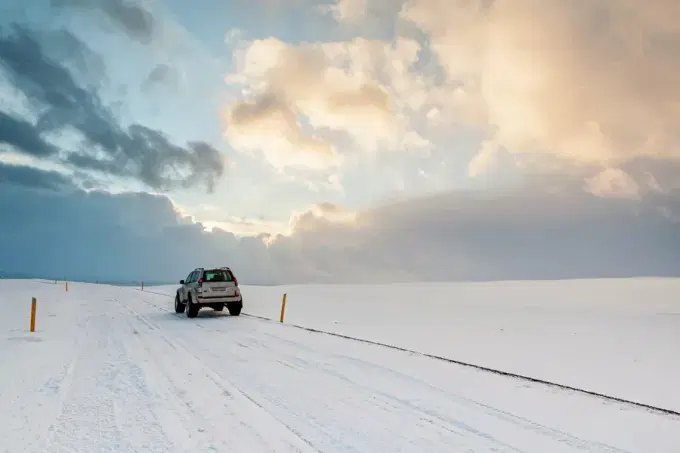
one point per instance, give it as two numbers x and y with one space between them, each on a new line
33 308
283 306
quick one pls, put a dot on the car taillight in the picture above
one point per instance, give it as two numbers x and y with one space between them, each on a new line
200 282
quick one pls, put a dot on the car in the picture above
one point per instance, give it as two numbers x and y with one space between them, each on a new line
214 288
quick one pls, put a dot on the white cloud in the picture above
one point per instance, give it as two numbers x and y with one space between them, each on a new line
349 10
309 93
484 159
269 125
321 215
248 227
590 81
613 182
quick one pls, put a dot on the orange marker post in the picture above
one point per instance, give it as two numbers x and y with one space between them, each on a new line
33 309
283 307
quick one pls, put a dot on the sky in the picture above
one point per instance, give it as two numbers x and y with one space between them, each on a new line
340 140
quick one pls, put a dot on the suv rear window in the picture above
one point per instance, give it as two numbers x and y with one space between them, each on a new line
217 275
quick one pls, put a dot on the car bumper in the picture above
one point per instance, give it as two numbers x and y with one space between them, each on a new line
218 299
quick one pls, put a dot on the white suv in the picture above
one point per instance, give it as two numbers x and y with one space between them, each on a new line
214 288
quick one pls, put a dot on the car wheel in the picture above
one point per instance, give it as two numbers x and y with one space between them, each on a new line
179 306
192 308
235 308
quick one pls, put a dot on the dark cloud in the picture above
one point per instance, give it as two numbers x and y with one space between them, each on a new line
32 178
655 172
23 136
161 74
135 151
456 236
136 20
128 15
65 47
528 236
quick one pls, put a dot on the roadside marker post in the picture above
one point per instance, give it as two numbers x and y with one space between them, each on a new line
33 309
66 286
142 285
283 306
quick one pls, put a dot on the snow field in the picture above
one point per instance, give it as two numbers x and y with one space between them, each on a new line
116 370
617 337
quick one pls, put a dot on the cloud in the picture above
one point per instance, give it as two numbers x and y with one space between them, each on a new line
349 10
23 136
247 227
453 236
30 177
127 15
579 96
656 173
162 74
594 82
65 47
365 13
320 216
318 97
613 182
485 158
89 135
269 124
586 83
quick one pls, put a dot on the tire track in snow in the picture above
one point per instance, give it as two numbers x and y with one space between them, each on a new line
398 381
648 407
103 403
395 388
87 420
243 413
439 419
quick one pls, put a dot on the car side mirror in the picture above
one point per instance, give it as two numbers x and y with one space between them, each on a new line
181 282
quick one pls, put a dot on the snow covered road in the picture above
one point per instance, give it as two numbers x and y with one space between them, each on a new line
115 370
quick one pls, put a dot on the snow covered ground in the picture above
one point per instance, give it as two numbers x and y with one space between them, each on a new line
617 337
115 370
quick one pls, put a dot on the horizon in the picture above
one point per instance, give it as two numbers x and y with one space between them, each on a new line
340 141
166 283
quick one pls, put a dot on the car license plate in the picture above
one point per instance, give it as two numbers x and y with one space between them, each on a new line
218 289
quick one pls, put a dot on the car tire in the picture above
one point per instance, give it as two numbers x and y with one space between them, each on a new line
179 306
218 307
235 308
192 308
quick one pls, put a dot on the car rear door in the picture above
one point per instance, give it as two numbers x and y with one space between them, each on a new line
187 283
218 283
